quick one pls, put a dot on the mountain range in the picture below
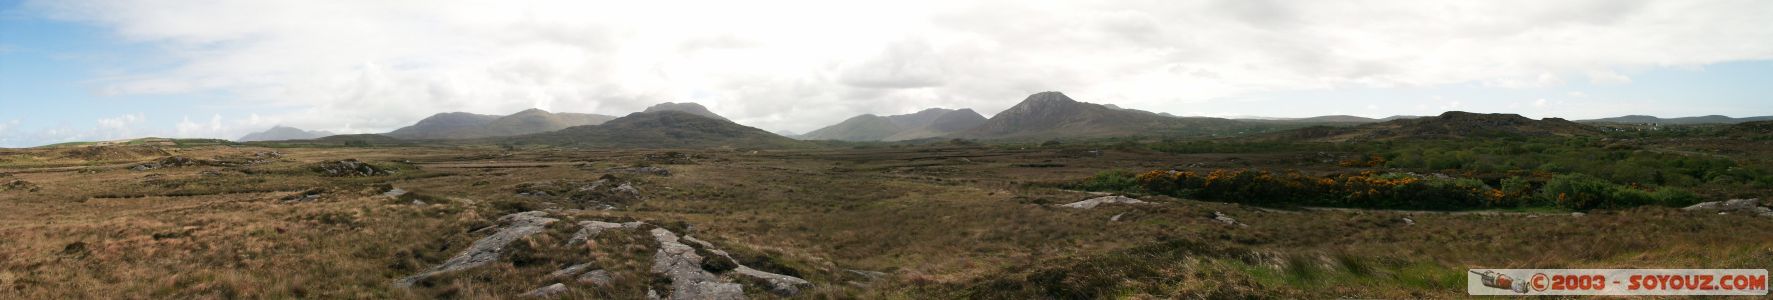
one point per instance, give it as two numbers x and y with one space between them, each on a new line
688 107
281 133
1711 119
1330 119
1045 115
461 125
664 128
929 123
1054 115
1452 124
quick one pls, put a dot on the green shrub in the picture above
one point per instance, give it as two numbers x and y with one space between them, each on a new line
1583 192
1110 181
1577 191
1675 197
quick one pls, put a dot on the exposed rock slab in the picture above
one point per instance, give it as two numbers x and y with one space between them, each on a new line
590 229
1093 202
488 249
1749 206
569 271
550 291
1224 218
688 281
349 168
596 277
649 170
780 284
19 185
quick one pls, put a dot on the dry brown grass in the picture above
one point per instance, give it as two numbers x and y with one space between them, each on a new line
940 222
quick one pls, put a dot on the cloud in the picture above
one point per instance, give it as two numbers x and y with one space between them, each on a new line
1608 77
213 129
364 66
904 65
1539 103
124 126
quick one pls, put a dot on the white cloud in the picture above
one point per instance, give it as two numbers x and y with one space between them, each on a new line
354 66
213 129
1539 103
124 126
1450 105
1608 77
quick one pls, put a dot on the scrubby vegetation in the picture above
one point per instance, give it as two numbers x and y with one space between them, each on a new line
1578 173
905 221
1388 190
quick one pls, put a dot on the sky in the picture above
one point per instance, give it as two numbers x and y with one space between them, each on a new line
83 70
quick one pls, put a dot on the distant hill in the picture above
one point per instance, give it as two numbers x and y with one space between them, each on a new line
689 107
948 122
536 121
788 134
1054 115
1317 119
443 126
460 125
660 129
1452 124
1711 119
280 132
927 123
1753 130
858 128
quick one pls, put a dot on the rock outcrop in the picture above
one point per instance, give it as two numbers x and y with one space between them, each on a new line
305 196
780 284
596 277
168 162
1224 218
680 262
649 170
349 168
1745 206
486 250
19 185
604 194
690 278
549 291
590 229
1093 202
